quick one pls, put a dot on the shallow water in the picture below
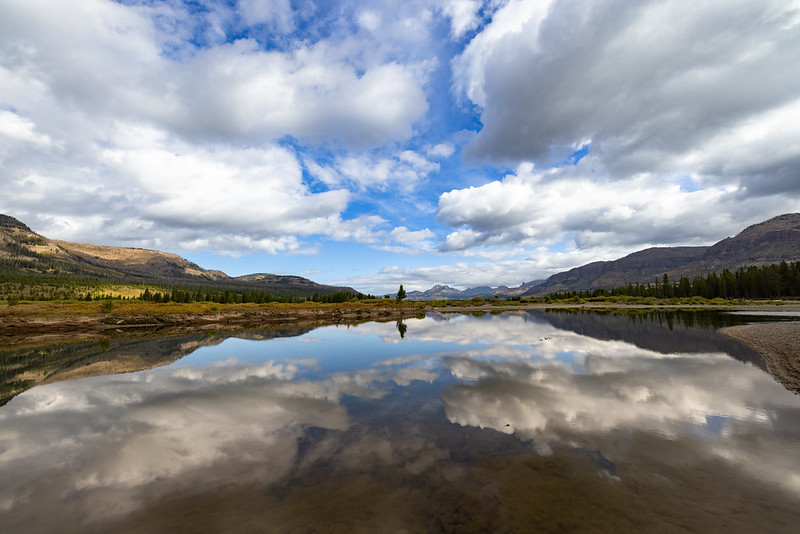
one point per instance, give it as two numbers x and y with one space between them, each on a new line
517 422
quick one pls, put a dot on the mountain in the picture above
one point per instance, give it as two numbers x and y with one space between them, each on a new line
440 292
23 251
761 244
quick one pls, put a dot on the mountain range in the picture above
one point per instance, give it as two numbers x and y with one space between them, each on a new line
765 243
23 251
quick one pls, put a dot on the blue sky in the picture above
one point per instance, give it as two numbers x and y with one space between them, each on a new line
459 142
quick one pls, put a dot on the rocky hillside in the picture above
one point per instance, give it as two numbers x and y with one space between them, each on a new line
761 244
23 251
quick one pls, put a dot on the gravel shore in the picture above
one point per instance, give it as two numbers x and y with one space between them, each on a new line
779 345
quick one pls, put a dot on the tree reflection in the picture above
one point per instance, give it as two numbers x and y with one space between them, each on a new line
401 327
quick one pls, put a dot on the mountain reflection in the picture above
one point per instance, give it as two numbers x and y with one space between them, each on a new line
424 420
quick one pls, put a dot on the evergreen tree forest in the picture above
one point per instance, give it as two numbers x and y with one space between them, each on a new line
15 287
781 280
232 297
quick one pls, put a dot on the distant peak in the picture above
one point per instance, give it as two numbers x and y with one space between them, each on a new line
7 221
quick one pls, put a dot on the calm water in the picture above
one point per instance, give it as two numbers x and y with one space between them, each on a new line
518 422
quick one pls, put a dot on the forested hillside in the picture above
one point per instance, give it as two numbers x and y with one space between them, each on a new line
35 267
766 243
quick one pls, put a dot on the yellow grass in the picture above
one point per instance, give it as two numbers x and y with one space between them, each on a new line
121 308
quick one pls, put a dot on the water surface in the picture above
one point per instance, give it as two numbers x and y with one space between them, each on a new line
516 422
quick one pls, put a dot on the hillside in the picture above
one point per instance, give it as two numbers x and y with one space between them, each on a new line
765 243
24 252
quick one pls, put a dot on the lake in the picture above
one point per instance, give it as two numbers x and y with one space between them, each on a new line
527 421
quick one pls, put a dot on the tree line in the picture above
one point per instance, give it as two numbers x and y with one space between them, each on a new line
15 287
780 280
252 296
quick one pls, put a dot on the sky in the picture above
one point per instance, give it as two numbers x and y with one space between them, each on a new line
372 144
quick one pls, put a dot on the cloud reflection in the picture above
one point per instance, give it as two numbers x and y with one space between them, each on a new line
614 387
118 439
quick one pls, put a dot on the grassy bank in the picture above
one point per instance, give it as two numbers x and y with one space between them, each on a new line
124 308
112 309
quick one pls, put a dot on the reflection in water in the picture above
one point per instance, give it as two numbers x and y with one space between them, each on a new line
23 368
514 422
402 328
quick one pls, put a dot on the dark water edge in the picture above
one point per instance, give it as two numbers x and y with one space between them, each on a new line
655 330
652 429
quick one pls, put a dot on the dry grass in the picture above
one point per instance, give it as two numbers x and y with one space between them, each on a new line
123 308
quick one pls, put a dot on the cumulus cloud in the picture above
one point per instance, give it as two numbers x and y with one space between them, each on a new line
237 90
686 115
647 82
254 198
573 203
463 15
165 137
402 234
405 169
109 58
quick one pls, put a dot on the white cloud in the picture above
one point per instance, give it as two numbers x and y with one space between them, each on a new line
401 234
517 17
369 20
277 14
442 150
542 207
463 15
650 83
106 58
459 274
405 241
21 129
237 90
404 170
122 131
259 190
364 229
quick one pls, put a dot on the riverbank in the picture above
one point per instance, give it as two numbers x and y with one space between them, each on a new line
41 322
28 328
779 345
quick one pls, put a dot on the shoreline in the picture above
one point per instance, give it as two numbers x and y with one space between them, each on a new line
54 323
778 343
36 330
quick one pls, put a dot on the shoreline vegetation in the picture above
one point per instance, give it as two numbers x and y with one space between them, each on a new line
31 318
